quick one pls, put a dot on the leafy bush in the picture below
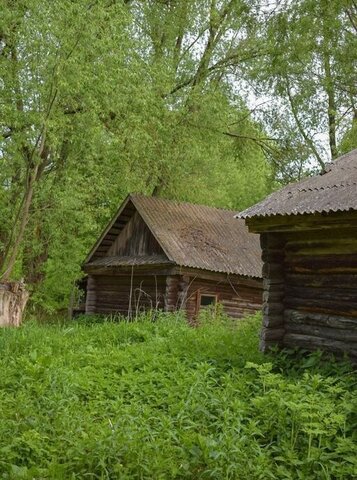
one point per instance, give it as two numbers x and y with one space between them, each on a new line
163 400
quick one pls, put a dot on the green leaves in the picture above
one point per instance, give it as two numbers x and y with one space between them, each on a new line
105 98
164 400
306 72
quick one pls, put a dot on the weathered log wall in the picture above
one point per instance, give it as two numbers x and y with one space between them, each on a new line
130 294
125 294
310 289
321 290
274 289
237 299
172 293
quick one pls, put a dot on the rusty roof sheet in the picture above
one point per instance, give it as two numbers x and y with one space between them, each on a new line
130 260
332 191
195 236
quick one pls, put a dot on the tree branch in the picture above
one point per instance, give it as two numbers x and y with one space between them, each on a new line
307 139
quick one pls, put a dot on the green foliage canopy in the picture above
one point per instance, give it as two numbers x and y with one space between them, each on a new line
100 99
106 98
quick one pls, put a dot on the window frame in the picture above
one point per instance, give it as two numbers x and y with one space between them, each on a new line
200 295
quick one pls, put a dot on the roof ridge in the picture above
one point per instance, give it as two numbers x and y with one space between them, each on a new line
179 202
325 187
351 153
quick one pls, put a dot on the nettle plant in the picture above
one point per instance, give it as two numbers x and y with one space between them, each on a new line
160 399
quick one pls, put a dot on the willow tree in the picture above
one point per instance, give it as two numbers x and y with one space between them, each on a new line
309 77
49 75
103 98
199 139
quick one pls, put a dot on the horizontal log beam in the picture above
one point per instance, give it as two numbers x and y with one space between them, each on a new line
312 279
307 222
323 332
273 321
272 334
308 318
311 342
318 293
333 307
270 308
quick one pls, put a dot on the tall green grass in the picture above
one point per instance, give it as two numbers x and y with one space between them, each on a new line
162 400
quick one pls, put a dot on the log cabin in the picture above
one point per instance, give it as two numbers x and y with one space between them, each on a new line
160 254
308 234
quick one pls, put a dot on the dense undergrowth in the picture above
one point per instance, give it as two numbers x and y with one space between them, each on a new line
162 400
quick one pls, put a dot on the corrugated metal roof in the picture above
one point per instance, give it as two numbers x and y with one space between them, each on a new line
129 260
333 191
195 236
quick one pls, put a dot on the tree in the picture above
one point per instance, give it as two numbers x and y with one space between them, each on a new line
48 74
190 51
309 75
104 98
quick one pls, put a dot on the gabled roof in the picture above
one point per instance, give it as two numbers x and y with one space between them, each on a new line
334 190
194 236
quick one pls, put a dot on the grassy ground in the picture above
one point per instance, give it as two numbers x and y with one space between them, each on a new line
165 401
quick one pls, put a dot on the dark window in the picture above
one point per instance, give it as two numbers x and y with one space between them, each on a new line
207 300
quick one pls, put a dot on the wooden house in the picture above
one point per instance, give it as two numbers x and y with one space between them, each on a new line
308 234
159 254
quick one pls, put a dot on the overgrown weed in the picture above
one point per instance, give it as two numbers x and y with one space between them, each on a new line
156 398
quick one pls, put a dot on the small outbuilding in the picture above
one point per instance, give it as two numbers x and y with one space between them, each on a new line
308 234
159 254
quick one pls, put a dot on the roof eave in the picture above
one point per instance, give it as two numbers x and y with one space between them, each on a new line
106 230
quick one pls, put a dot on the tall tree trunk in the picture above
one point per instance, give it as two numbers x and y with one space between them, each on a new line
331 110
329 80
23 217
13 299
300 127
33 262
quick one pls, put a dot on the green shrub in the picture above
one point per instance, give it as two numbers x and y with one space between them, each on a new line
162 400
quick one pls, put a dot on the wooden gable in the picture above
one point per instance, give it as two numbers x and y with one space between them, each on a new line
126 235
135 239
